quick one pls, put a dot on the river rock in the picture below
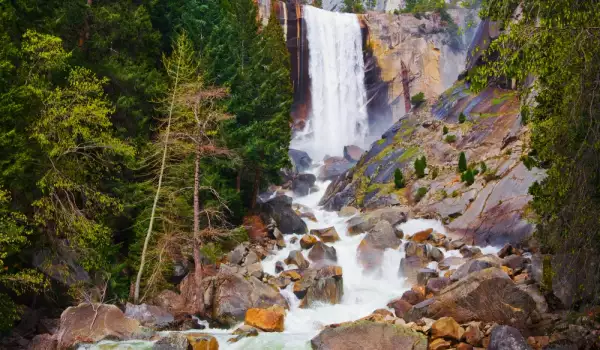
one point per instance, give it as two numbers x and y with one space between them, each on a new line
446 327
413 297
201 341
369 335
436 285
449 262
488 295
172 341
149 315
334 167
400 306
324 285
269 320
371 248
424 275
515 262
422 236
279 266
415 249
353 153
358 225
232 294
91 323
307 241
302 183
301 161
507 338
348 211
278 236
473 335
280 210
478 264
409 268
439 344
295 257
393 215
327 235
323 254
470 252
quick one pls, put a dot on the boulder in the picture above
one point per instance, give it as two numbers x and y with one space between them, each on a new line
409 268
369 335
422 236
470 252
269 320
400 306
449 262
348 211
149 315
278 236
446 327
307 241
371 248
44 342
393 215
473 335
435 254
323 254
413 297
334 167
295 257
515 262
327 235
358 225
279 266
232 294
280 209
436 285
507 338
302 183
464 346
416 249
424 275
322 285
353 153
507 250
478 264
301 161
439 344
488 295
91 323
236 256
172 341
201 341
308 215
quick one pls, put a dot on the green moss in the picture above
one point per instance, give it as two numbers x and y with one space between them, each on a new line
380 141
409 153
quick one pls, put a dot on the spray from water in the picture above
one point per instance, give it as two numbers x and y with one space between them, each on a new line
338 115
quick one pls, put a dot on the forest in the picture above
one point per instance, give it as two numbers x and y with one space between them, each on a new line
127 129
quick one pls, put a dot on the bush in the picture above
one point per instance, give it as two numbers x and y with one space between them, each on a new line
462 162
396 12
468 177
450 138
418 99
483 167
399 179
462 118
455 194
421 192
434 173
420 165
445 130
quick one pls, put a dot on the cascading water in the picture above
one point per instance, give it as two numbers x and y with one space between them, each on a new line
338 115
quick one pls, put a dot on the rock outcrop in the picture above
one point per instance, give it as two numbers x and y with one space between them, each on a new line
280 209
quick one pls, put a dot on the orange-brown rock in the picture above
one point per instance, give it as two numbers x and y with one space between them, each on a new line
439 344
422 236
268 320
538 343
446 327
400 306
307 241
507 269
292 274
522 278
308 215
473 335
327 235
255 227
464 346
201 341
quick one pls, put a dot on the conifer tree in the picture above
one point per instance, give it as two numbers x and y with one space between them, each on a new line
399 179
462 162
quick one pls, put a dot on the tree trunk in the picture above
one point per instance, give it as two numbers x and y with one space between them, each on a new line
238 183
197 238
85 33
257 174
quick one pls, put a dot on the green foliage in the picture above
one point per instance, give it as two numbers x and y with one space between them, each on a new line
420 165
450 138
455 194
399 179
421 192
462 118
444 130
354 6
482 167
462 162
418 99
468 177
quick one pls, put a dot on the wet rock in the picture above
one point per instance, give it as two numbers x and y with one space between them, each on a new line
371 248
295 257
446 327
422 236
327 235
424 275
280 210
400 306
515 262
348 211
269 320
477 297
450 261
413 297
279 266
302 183
399 233
91 323
393 215
307 241
308 215
439 344
149 315
410 266
44 342
334 167
323 254
470 252
369 335
292 274
456 244
507 338
478 264
358 225
278 236
353 153
473 335
301 161
172 341
435 254
201 341
322 285
436 285
464 346
507 250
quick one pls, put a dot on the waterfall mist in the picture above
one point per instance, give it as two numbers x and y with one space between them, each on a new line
338 115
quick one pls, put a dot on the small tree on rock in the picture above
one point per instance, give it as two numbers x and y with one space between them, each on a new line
462 118
462 162
420 165
399 179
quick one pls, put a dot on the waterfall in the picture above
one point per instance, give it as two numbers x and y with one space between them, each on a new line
338 115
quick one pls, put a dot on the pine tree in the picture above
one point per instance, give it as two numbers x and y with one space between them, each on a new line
462 162
462 118
399 179
420 165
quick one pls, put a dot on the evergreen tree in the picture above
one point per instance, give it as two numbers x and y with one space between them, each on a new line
399 179
462 162
420 165
462 118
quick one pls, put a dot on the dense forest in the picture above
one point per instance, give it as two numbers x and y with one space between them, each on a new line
128 128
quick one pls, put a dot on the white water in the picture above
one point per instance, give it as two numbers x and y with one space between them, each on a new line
338 115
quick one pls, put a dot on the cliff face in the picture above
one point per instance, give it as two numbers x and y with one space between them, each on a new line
493 210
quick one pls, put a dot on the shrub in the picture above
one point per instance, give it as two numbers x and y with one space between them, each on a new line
399 179
475 171
483 167
468 177
445 130
450 138
462 118
421 192
455 194
418 99
434 173
420 165
462 162
396 12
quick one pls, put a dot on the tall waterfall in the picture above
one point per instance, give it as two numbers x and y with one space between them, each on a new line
338 115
